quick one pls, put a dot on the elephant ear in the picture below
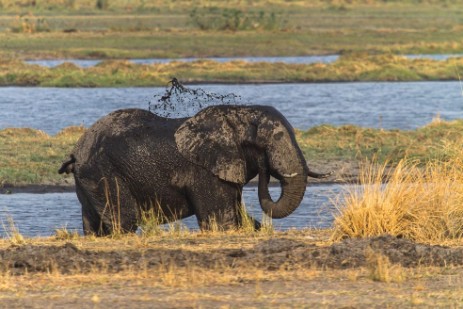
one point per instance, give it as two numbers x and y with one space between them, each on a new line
208 139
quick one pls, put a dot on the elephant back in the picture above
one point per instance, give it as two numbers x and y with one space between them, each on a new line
115 133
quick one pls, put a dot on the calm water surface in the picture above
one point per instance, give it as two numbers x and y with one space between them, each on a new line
292 60
376 105
41 214
295 60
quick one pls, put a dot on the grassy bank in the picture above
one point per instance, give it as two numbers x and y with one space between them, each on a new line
124 73
32 157
119 29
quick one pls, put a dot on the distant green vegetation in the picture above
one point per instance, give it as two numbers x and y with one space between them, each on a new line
118 73
30 156
437 141
160 28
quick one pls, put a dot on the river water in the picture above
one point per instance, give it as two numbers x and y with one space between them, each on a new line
291 60
393 105
42 214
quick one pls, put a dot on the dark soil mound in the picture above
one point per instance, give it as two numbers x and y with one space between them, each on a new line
270 254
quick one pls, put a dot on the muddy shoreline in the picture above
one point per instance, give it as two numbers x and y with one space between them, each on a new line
294 269
266 254
64 188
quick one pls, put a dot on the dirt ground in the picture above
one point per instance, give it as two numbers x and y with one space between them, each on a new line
201 270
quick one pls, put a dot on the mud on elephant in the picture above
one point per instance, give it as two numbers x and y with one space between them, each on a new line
133 160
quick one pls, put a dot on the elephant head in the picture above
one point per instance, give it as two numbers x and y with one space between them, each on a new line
237 142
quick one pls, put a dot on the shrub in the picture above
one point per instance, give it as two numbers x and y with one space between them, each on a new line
420 203
102 4
235 19
29 24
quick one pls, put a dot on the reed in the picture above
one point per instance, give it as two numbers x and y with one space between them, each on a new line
381 269
421 203
12 232
65 234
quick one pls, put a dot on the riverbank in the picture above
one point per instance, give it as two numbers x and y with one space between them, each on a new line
194 269
119 73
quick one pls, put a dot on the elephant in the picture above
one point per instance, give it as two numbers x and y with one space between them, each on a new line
133 160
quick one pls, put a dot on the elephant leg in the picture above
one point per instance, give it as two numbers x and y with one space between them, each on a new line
90 217
217 205
120 213
107 207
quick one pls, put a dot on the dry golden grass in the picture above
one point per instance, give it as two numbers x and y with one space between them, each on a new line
118 73
421 203
169 284
381 269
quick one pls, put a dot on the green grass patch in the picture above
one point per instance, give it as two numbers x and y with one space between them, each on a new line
119 73
32 157
60 29
352 143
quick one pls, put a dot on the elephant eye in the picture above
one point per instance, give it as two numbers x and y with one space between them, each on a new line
278 136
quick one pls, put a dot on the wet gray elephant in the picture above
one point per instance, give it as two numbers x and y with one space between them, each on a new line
133 160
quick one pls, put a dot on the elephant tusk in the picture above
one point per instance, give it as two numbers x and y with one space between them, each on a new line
290 175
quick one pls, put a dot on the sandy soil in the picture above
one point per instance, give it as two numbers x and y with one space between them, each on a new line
286 269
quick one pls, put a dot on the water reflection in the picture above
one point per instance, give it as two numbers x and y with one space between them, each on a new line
41 214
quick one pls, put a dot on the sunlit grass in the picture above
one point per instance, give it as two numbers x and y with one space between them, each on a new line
421 203
65 234
32 156
381 269
154 223
238 273
144 29
12 232
124 73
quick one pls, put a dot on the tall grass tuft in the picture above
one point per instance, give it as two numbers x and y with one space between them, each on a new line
381 269
153 222
12 232
247 224
64 234
420 203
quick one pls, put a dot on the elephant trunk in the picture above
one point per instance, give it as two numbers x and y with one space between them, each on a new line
292 192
